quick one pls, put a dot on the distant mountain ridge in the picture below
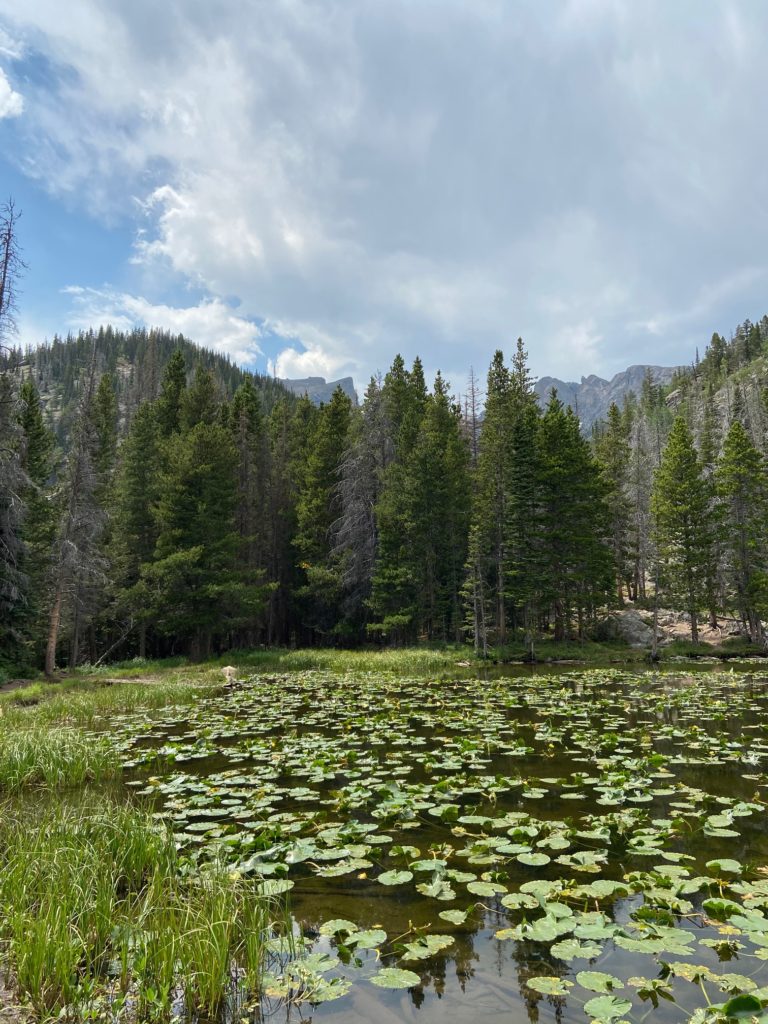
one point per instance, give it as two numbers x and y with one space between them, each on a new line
318 390
591 398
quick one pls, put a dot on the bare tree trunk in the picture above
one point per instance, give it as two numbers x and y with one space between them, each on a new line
53 633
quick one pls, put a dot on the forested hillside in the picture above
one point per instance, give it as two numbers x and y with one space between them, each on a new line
158 500
133 359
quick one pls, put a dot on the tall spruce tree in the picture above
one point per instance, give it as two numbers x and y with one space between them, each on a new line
576 568
39 526
682 514
317 508
612 449
135 528
741 480
488 560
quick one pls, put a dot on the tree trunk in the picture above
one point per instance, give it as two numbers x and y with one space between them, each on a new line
53 634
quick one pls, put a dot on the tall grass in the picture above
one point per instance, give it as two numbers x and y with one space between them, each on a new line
98 916
53 758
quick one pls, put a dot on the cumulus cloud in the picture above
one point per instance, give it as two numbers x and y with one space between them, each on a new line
11 103
211 323
382 177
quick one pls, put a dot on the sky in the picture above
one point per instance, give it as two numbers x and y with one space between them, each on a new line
315 185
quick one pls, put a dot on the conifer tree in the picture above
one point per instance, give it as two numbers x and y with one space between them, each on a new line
198 592
135 528
13 483
742 486
317 508
523 539
77 559
438 480
488 532
172 388
37 533
682 515
576 566
394 588
355 532
613 453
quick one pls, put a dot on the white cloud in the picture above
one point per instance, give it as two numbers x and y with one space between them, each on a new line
11 103
211 323
382 177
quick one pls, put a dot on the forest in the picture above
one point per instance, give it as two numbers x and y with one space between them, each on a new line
157 500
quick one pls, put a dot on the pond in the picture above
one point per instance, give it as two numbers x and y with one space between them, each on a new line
585 845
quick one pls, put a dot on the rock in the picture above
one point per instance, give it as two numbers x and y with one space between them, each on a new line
626 625
590 398
318 390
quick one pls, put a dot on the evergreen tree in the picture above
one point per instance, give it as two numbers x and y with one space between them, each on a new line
135 528
613 453
394 587
317 508
39 526
77 559
172 388
355 532
523 539
200 402
682 515
488 532
438 480
576 568
13 483
198 592
742 487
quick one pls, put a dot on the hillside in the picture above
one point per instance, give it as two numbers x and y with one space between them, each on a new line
135 359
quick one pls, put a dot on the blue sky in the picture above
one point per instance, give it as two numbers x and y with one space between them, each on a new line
314 185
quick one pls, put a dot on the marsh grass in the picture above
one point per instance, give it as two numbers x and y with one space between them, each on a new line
99 916
53 758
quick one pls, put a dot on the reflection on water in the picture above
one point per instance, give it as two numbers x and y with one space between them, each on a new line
637 777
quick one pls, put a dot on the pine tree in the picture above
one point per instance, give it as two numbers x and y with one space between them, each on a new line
394 587
682 515
742 486
172 388
576 568
135 529
200 402
198 592
523 538
488 532
613 453
13 483
77 559
439 484
39 526
361 474
317 508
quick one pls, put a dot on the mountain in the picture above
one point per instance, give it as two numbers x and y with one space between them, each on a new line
318 390
591 398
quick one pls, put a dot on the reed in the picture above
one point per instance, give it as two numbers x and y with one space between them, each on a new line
98 915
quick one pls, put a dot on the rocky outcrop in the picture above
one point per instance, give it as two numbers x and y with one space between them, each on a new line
628 626
318 390
591 398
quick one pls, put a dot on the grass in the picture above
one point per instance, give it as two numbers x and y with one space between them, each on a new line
98 918
53 758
